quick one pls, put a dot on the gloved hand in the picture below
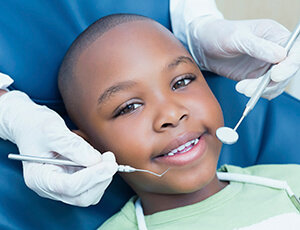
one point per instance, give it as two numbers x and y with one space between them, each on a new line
243 51
5 81
39 131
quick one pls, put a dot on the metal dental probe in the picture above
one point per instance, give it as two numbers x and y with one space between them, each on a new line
121 168
267 78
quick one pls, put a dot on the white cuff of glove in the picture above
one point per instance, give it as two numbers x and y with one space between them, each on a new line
5 81
195 46
183 12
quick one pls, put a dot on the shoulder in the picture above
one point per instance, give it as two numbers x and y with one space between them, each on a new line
286 172
125 218
276 171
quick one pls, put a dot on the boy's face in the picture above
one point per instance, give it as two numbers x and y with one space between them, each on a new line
143 98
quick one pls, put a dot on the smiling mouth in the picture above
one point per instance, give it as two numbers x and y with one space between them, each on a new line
182 148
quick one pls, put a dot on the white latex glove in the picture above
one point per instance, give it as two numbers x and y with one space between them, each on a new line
39 131
183 12
243 50
5 81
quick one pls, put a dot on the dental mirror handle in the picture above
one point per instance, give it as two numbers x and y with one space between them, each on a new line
267 77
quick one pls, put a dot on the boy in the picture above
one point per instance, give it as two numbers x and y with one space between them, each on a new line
133 89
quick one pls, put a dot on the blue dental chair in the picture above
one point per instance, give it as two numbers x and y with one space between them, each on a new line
34 37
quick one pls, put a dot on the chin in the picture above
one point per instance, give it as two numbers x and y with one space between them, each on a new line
193 182
195 187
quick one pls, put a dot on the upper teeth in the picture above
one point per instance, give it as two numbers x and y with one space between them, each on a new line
182 147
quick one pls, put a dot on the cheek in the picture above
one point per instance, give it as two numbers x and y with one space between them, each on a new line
204 106
206 111
127 140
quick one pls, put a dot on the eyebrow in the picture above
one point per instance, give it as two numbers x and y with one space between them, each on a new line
109 92
120 86
179 60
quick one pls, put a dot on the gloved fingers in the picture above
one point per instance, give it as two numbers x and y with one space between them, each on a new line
48 179
87 198
52 135
81 181
75 148
259 48
108 156
248 87
92 195
275 90
288 67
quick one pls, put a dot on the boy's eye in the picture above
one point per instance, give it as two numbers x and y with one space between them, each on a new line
128 108
183 81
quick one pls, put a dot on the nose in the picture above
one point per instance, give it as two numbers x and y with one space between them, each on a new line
169 115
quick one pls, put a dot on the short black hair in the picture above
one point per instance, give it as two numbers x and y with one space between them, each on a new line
66 75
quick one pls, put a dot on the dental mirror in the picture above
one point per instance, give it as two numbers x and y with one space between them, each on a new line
227 135
230 136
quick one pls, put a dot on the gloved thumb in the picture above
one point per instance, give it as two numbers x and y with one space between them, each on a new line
248 87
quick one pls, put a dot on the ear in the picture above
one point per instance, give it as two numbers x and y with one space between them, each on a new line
81 134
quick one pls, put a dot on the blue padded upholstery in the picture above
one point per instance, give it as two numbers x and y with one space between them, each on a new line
34 38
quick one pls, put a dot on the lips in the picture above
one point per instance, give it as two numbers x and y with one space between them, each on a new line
183 150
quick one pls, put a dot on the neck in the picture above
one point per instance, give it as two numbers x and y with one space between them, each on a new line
153 203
